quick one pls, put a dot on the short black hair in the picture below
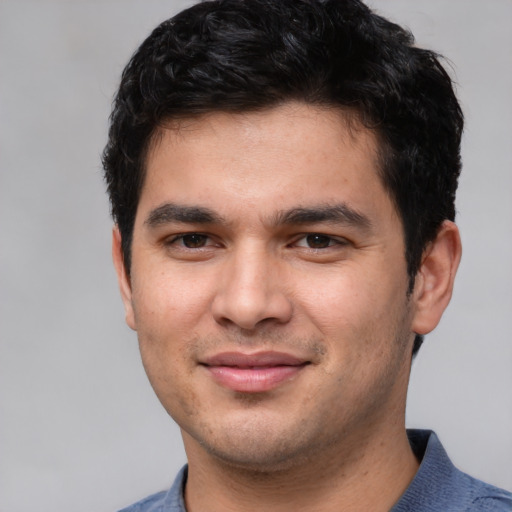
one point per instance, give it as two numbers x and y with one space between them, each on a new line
247 55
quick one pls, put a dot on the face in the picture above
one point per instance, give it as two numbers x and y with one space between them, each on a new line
269 287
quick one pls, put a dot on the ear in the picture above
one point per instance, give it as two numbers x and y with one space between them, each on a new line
434 281
122 277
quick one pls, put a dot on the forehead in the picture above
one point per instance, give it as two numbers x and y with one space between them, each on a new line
290 155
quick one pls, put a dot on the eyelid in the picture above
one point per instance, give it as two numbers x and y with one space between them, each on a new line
333 241
174 240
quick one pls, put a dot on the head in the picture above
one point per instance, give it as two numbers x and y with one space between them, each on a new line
282 176
245 56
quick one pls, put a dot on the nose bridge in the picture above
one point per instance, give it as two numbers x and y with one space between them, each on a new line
252 288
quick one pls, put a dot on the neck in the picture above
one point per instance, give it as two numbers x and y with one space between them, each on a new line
367 473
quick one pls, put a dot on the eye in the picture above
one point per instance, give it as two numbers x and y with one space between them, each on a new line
194 240
190 241
318 241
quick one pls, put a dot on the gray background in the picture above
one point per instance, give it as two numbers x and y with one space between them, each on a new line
80 429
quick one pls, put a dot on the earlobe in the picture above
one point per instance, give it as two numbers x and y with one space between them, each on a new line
122 277
434 281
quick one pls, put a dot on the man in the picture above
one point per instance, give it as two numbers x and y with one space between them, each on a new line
282 177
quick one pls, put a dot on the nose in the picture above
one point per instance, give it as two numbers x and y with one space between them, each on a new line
252 291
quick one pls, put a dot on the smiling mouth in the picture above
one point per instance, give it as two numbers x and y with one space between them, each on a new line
253 373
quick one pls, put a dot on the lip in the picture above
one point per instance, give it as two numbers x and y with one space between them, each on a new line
253 373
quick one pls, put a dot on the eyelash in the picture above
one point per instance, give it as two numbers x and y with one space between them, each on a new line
181 238
330 240
327 239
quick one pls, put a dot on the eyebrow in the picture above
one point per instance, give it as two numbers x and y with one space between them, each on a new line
338 214
171 212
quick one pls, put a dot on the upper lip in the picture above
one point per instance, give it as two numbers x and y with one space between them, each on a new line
259 359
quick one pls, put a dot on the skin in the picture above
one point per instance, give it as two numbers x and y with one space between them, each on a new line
222 262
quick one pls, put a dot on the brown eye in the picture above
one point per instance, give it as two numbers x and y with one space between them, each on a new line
194 240
317 241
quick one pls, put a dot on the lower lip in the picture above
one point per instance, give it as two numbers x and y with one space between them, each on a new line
253 380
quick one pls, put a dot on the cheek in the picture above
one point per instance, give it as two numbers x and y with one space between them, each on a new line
166 318
361 306
169 305
336 299
167 315
169 373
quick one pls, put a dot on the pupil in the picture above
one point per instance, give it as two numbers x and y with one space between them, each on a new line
318 241
194 241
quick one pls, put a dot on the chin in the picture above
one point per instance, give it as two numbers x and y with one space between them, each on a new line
258 461
258 448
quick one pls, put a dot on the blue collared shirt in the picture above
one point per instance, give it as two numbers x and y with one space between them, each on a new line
437 487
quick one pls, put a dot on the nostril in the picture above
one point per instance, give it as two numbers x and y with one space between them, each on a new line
251 312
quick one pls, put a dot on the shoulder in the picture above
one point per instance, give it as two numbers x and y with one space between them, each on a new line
165 501
440 486
153 503
485 497
478 496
